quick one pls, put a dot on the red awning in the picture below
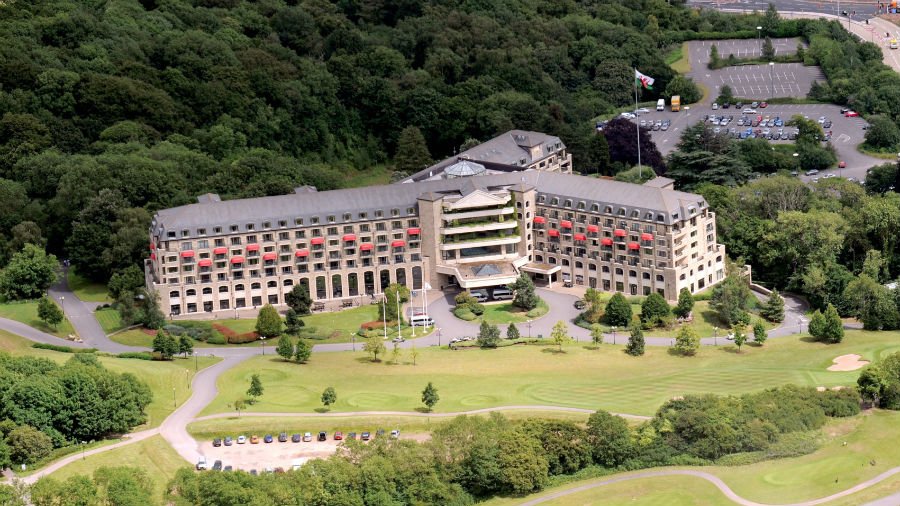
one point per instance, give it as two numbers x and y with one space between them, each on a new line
270 256
620 233
253 247
220 251
606 241
634 246
414 231
205 262
565 224
349 237
152 256
398 244
646 237
301 253
187 254
317 240
237 260
366 246
540 220
152 246
580 237
553 232
593 229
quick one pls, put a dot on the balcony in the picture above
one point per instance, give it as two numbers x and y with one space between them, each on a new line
485 226
481 213
457 242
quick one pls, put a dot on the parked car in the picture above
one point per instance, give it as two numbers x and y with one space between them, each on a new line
480 295
338 436
227 468
217 442
642 110
351 435
253 472
763 105
749 110
241 439
812 172
398 339
201 463
738 105
754 105
268 438
366 436
844 110
296 438
282 437
228 441
395 434
323 436
254 439
851 114
715 106
628 115
307 437
580 304
726 105
842 164
217 465
502 293
379 433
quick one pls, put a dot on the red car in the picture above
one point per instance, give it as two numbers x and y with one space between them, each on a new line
338 436
763 105
851 114
842 164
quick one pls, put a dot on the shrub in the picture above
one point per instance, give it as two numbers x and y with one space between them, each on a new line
62 349
232 337
139 355
464 314
373 325
216 339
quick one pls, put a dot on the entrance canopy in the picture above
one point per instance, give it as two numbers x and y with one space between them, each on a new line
538 268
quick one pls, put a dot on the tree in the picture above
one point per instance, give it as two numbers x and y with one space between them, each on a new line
413 353
49 312
560 334
882 133
165 345
394 295
488 335
268 322
731 299
524 297
128 279
298 299
596 333
396 353
28 274
256 388
685 303
76 490
768 50
623 146
871 302
412 151
714 59
635 346
594 300
816 327
833 329
759 333
687 342
293 322
512 332
285 347
610 438
185 346
725 95
685 88
654 309
771 21
329 397
239 405
773 309
618 311
124 486
430 396
739 337
598 155
303 351
373 346
28 445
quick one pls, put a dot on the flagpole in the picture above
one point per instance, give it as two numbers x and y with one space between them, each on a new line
637 126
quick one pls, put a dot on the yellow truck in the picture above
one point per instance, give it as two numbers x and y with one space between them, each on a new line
676 103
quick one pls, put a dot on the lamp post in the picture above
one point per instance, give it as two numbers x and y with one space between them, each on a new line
529 329
802 321
759 39
439 336
614 334
772 78
262 344
62 300
195 361
83 443
715 336
174 402
353 340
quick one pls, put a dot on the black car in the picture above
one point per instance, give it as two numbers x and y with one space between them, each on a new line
844 109
217 441
217 465
253 472
739 105
295 438
323 436
580 304
380 433
227 468
366 436
228 441
282 437
268 438
726 105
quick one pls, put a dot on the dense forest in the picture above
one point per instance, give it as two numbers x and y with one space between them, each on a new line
111 109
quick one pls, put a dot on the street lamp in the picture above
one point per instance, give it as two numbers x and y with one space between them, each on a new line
353 340
759 39
715 336
529 329
174 402
802 321
62 300
614 334
82 449
771 78
439 336
195 361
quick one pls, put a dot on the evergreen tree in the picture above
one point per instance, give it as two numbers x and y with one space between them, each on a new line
816 326
430 396
512 332
488 335
285 347
164 345
773 309
714 61
293 322
687 342
598 155
635 346
268 323
653 309
833 330
768 50
618 311
329 397
299 300
303 351
256 387
685 303
412 151
49 312
524 297
759 333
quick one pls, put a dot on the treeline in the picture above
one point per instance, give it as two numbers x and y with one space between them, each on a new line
44 405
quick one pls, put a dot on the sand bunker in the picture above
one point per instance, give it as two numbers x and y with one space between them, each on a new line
848 363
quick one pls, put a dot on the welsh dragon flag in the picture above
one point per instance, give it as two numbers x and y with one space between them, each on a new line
646 81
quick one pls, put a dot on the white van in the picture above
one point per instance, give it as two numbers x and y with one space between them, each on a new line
661 105
480 295
421 320
502 293
201 463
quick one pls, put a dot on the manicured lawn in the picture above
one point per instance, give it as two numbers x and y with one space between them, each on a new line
158 460
678 59
26 312
87 290
109 320
535 375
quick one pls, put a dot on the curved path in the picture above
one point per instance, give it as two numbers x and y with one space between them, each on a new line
719 484
344 414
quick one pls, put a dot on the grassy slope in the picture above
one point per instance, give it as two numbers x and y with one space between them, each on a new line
533 375
678 59
87 290
109 320
26 312
153 455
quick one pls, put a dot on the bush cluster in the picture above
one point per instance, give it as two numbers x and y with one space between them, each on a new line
232 337
467 307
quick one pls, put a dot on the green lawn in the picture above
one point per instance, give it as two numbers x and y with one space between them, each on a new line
535 375
153 455
678 59
26 312
87 290
505 312
109 320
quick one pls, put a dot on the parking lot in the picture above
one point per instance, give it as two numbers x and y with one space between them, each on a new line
765 81
740 48
262 456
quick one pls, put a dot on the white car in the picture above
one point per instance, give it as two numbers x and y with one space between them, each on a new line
642 110
628 115
748 111
241 439
715 106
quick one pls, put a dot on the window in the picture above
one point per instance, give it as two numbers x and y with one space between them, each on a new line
272 284
190 292
395 212
347 217
568 203
173 294
331 219
298 221
363 216
255 286
217 230
239 287
207 291
250 226
223 289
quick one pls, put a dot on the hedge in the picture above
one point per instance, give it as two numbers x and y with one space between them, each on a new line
63 349
139 355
